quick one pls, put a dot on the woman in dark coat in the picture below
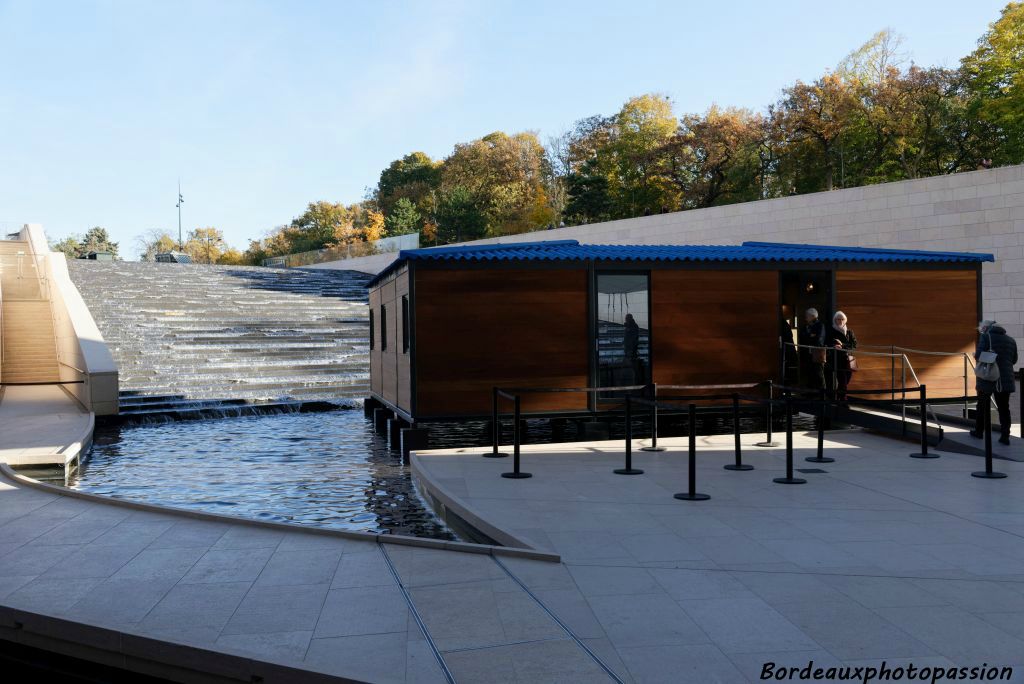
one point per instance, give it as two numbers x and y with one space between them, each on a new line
842 339
993 337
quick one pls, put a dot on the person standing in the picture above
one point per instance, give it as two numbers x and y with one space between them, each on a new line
841 341
812 361
993 338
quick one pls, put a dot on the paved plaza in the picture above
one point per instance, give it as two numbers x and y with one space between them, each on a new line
880 558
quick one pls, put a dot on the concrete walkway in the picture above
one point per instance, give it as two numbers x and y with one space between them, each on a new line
880 557
205 590
41 424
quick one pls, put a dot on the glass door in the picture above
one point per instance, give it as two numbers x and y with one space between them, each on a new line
622 330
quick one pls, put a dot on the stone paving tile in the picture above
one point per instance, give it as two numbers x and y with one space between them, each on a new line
659 547
954 633
363 610
188 607
278 609
674 664
363 568
606 652
229 565
378 658
420 567
974 595
557 660
645 620
603 580
698 584
283 646
738 625
11 583
300 566
479 614
880 592
190 533
131 532
34 560
93 560
572 608
51 595
118 603
247 537
852 632
788 587
163 564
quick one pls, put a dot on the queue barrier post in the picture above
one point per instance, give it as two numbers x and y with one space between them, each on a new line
820 457
738 464
495 428
789 479
768 442
988 473
692 494
923 408
516 473
653 388
629 469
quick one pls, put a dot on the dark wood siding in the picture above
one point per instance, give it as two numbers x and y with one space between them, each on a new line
375 355
930 310
514 328
714 327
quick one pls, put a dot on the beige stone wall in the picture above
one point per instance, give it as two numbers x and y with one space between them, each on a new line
980 211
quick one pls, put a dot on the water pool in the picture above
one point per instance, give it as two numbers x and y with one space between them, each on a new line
323 469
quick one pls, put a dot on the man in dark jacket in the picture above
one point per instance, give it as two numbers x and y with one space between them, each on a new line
812 361
994 338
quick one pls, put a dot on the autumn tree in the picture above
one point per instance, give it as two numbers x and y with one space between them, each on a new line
994 75
155 242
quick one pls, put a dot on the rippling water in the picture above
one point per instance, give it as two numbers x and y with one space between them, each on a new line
324 469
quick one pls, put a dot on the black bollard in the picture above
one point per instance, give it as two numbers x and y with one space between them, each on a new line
923 408
692 494
654 421
738 465
495 428
820 457
516 474
768 441
988 473
789 479
629 469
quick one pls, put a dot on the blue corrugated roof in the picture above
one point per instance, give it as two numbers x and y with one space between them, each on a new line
571 250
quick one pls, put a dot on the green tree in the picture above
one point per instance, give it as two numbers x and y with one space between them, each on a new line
403 219
97 240
69 246
459 218
413 177
994 75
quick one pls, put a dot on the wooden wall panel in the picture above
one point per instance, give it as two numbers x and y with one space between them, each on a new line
375 355
714 327
389 365
930 310
403 359
516 328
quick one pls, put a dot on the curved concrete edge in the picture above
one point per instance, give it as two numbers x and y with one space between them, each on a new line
449 503
396 539
144 655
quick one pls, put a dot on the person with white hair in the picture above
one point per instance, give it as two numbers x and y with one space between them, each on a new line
812 361
841 362
993 338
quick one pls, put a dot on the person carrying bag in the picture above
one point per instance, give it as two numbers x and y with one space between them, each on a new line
996 354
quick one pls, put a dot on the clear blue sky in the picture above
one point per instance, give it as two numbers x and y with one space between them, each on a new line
263 107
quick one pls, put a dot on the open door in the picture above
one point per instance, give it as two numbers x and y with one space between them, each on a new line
799 291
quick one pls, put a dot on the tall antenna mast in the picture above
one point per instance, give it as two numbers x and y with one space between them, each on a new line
181 200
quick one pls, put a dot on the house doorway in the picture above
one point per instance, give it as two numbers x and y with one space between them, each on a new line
799 291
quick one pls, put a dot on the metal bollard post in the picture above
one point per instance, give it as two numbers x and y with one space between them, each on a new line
629 469
495 428
821 457
988 473
738 465
516 474
692 494
789 479
923 408
768 442
654 421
